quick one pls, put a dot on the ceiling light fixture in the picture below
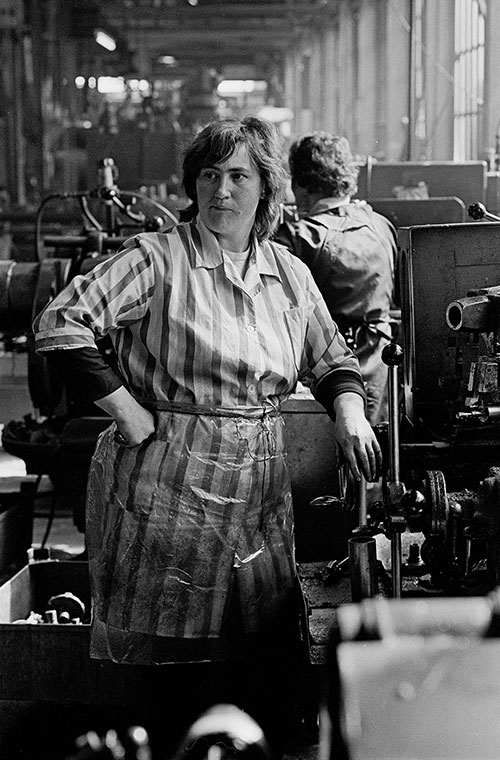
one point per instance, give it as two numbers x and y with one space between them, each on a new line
105 40
167 60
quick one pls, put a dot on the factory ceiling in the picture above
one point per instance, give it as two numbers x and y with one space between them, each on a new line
211 33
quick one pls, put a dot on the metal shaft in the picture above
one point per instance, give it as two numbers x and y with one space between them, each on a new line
363 567
394 469
396 558
392 355
362 506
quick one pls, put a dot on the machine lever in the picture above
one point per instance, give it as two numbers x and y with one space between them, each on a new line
392 356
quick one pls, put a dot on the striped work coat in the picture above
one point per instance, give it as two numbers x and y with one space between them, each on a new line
203 508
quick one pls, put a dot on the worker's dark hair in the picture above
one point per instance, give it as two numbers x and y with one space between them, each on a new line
218 140
323 163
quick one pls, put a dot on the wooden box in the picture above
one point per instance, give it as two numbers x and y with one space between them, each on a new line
41 661
51 663
52 692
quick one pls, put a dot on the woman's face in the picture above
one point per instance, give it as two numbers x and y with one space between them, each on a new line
228 194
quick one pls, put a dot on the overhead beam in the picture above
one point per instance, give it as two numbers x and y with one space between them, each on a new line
119 13
155 39
214 32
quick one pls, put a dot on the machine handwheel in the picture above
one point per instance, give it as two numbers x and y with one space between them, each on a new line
436 499
347 488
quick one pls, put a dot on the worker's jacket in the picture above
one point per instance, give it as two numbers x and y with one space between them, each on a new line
351 252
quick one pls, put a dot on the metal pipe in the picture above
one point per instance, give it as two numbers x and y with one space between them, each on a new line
471 313
362 505
394 462
363 567
396 564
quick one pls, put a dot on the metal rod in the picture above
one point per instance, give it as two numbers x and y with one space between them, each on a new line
362 506
396 564
468 549
394 469
363 567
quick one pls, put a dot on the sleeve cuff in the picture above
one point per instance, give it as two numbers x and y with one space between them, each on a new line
85 373
335 383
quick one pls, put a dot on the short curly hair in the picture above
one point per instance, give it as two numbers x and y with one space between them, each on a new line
218 140
323 163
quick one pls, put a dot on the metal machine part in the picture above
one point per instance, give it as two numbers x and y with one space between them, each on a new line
105 217
224 732
439 265
419 677
132 744
478 211
425 510
363 567
442 434
108 216
439 443
413 678
476 318
460 530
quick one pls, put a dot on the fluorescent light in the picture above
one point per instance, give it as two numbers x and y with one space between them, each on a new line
276 114
105 40
234 87
168 60
140 85
111 85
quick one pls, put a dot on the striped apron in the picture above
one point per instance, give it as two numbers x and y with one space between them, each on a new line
199 513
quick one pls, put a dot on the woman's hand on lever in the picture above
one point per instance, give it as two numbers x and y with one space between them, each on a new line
356 438
135 423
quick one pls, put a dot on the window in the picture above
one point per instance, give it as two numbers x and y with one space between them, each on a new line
420 115
468 77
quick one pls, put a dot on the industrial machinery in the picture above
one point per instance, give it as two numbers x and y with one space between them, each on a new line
441 444
59 439
413 679
460 530
223 731
418 677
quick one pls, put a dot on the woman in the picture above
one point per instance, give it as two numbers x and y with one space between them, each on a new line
189 513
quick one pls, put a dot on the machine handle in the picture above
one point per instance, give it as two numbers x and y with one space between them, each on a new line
478 211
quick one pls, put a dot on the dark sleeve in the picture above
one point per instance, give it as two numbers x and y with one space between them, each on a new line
335 383
84 372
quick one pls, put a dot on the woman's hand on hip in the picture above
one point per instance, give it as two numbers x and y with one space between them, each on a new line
135 423
356 438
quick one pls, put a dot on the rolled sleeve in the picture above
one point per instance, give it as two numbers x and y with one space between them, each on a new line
112 295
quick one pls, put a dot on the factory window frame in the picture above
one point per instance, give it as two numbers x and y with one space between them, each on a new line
468 78
420 106
305 80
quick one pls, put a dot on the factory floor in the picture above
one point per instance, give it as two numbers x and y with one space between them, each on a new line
61 536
